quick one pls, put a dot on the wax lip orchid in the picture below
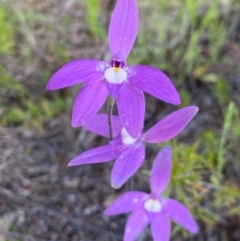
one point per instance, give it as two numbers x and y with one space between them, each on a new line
124 83
130 152
152 208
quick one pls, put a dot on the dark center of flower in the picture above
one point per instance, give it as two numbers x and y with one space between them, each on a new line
117 64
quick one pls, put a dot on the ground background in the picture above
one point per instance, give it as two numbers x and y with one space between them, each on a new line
196 43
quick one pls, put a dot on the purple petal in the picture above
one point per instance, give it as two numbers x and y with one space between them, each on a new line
123 27
117 141
154 82
99 124
136 223
96 155
161 228
89 100
127 202
75 72
114 89
161 171
180 214
131 108
171 125
127 164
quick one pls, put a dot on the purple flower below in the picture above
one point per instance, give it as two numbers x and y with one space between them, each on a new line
152 208
124 83
130 152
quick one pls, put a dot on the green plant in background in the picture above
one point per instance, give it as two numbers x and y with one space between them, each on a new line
93 10
188 36
228 119
19 106
10 87
198 172
221 90
7 31
32 112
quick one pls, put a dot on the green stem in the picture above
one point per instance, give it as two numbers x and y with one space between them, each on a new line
222 145
110 105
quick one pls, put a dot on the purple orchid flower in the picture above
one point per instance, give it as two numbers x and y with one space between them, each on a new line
124 83
130 152
152 208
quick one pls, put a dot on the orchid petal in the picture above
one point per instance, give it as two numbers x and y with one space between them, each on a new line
136 223
171 125
117 141
180 214
99 124
154 82
123 27
75 72
161 228
161 171
131 108
96 155
89 100
127 202
127 164
114 89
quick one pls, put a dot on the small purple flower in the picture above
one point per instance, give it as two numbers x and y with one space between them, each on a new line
152 208
124 83
130 152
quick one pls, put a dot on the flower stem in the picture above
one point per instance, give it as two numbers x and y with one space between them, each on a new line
110 105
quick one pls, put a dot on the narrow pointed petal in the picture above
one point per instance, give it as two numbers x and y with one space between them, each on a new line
136 223
171 125
75 72
161 227
123 27
127 202
99 124
127 164
180 214
154 82
96 155
131 108
161 171
88 101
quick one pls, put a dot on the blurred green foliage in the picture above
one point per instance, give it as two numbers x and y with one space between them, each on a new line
188 34
93 11
7 30
32 113
10 87
19 105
